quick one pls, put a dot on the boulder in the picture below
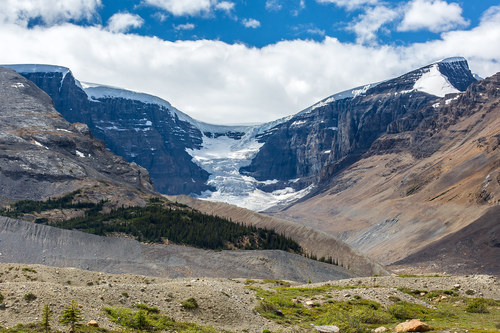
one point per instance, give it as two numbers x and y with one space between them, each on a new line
414 325
327 329
380 329
93 323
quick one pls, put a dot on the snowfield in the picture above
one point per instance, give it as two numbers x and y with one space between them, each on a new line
223 157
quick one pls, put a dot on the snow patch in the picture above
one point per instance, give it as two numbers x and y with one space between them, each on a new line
35 68
434 83
17 85
80 154
39 144
448 101
63 130
451 60
351 93
298 123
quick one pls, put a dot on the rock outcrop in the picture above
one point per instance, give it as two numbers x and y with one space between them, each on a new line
41 154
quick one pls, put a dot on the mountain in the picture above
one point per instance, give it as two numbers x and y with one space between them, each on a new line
256 167
140 128
342 127
42 154
425 194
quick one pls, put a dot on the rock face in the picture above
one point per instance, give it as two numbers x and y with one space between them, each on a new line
344 126
148 134
41 154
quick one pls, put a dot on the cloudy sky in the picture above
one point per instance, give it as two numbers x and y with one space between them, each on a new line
247 61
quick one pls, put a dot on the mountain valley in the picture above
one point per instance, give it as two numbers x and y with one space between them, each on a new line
389 167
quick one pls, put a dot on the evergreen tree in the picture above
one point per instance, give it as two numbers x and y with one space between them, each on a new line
71 316
46 317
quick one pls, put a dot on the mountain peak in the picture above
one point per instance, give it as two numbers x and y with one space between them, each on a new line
451 60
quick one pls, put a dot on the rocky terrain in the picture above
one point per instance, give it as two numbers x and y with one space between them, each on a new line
31 243
42 154
428 189
227 304
311 240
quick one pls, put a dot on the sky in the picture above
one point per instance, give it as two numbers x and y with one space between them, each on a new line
247 61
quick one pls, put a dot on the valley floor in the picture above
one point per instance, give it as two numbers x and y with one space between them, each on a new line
224 304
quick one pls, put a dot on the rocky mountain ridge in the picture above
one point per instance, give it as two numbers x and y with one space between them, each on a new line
271 164
431 181
42 154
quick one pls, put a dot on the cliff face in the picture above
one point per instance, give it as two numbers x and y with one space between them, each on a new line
145 133
153 137
344 128
41 154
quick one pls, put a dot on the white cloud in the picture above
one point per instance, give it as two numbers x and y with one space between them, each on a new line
186 26
226 6
316 31
123 22
369 23
49 11
191 7
160 16
302 6
182 7
273 5
229 83
433 15
350 4
250 23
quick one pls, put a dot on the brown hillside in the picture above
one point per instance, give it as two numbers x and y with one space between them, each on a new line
312 241
435 173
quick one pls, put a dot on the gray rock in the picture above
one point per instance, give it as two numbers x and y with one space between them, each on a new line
41 154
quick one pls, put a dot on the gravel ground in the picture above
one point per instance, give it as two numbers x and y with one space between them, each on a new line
223 303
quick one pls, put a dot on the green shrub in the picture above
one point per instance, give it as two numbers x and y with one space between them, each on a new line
404 310
190 304
147 308
27 269
29 297
477 306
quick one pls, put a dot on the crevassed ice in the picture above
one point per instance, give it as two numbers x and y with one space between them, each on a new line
222 157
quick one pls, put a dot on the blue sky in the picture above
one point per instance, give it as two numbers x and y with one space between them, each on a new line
240 61
277 20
